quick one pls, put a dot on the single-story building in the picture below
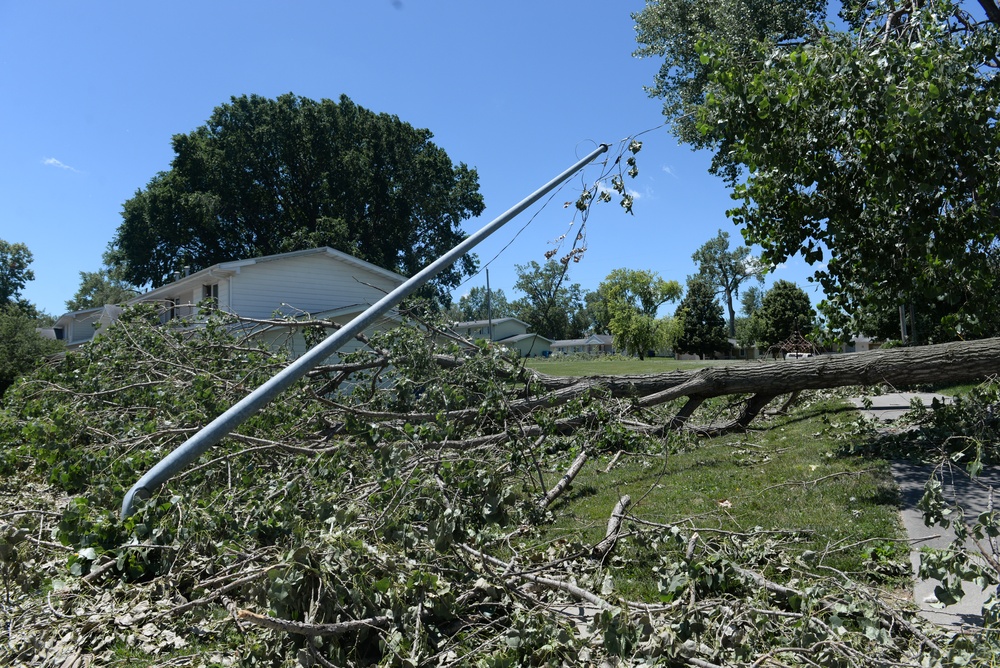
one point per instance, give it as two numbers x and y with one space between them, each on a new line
509 332
595 344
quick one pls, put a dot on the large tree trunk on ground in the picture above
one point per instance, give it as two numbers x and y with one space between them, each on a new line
956 362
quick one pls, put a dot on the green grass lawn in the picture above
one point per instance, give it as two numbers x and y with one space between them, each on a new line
790 474
616 364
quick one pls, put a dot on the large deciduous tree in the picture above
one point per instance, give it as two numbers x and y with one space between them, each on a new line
784 311
98 288
630 300
870 144
550 306
727 270
14 272
265 176
751 300
480 304
700 315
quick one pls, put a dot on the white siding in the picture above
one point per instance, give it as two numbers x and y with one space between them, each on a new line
502 329
533 346
310 283
178 303
83 329
506 329
291 338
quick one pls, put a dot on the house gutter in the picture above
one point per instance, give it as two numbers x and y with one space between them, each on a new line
216 430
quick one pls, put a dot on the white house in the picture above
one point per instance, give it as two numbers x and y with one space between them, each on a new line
595 344
318 283
860 344
78 327
509 332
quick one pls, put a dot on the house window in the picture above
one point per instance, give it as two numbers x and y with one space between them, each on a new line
210 293
169 311
60 334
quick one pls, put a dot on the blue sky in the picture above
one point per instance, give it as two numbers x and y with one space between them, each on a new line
93 92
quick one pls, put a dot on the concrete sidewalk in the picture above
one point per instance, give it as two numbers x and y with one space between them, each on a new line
958 489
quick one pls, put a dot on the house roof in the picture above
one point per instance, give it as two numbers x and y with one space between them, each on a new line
111 309
228 268
522 337
593 339
472 324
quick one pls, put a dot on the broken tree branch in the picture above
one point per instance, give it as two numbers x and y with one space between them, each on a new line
602 549
564 482
304 629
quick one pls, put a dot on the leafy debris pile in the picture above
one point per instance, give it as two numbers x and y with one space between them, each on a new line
390 509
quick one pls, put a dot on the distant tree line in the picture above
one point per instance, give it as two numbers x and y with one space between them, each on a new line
627 304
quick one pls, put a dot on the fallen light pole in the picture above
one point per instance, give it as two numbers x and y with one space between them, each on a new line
216 430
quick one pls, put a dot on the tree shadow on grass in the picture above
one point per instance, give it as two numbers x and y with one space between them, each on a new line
804 416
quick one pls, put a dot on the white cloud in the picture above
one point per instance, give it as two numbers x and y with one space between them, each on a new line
669 170
52 162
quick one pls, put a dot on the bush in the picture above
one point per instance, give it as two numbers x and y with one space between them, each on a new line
21 347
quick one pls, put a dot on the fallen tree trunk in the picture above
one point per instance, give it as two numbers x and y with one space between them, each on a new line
959 361
954 362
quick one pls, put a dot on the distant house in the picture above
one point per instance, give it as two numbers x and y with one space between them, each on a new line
860 344
750 352
509 332
595 344
78 327
318 283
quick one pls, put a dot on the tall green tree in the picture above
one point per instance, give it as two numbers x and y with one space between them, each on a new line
746 326
551 305
784 311
700 315
637 289
98 288
22 348
477 305
265 176
596 309
751 300
14 271
727 270
867 146
630 299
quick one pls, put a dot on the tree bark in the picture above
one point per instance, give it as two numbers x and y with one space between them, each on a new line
564 482
305 629
992 11
955 362
602 549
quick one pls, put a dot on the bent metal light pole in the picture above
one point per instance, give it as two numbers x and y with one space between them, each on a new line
216 430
